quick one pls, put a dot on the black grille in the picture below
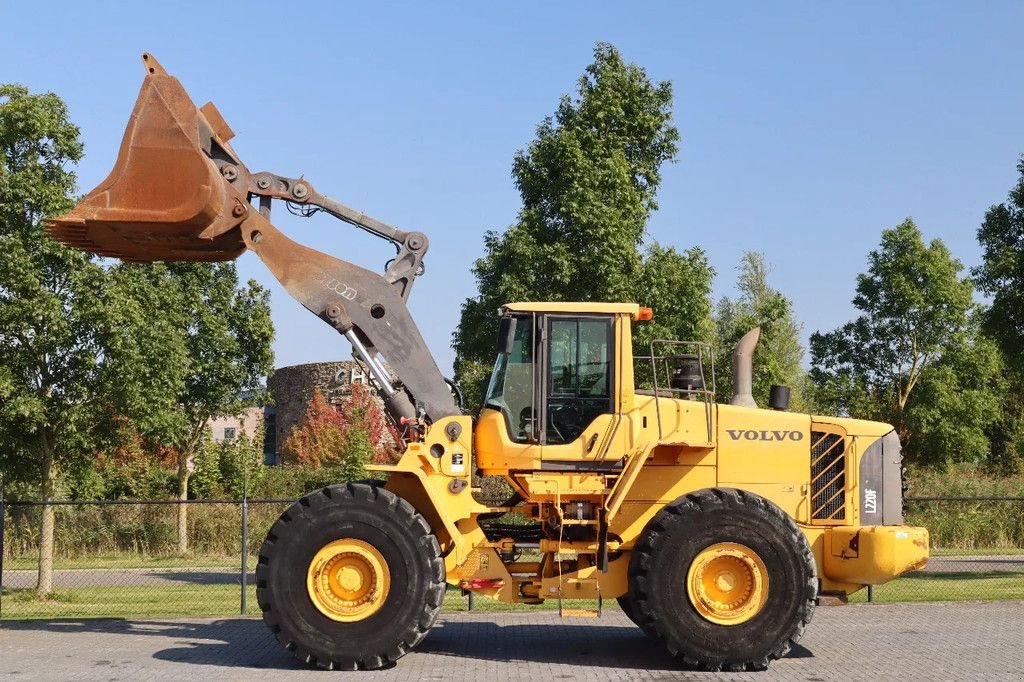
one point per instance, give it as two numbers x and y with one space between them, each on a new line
828 477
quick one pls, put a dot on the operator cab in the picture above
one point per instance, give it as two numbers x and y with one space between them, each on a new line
557 386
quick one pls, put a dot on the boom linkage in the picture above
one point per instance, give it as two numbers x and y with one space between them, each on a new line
179 192
367 308
401 271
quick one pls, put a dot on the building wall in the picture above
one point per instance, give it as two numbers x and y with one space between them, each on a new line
235 426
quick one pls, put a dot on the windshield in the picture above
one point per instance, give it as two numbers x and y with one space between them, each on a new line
511 386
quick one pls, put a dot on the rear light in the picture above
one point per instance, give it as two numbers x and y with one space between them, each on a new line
482 583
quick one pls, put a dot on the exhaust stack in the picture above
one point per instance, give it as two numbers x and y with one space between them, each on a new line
743 369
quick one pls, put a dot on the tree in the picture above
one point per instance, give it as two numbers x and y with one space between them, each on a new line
50 320
588 183
677 286
1001 276
319 437
779 353
227 468
956 406
346 438
914 357
221 334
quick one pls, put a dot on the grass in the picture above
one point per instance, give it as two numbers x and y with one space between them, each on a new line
126 602
954 586
177 601
977 551
218 561
129 561
182 601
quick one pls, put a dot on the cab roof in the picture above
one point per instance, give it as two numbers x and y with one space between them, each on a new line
593 307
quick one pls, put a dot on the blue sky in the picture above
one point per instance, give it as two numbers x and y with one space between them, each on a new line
807 127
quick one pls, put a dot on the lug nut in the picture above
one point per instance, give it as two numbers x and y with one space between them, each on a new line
300 191
238 211
229 172
263 182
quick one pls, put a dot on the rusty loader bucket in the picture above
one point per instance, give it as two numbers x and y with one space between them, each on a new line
170 195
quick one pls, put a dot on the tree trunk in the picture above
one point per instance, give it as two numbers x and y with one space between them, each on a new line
183 476
44 583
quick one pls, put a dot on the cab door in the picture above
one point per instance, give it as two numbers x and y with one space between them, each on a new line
578 407
507 431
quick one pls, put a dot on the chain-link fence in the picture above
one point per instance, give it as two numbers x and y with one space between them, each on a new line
124 558
977 551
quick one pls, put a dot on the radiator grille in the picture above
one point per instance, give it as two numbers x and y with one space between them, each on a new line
828 476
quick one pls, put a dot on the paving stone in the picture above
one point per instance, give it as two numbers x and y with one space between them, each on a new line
932 641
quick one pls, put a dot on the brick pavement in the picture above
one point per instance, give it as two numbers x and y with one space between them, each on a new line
953 641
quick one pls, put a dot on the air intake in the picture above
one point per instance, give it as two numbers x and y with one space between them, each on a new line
828 477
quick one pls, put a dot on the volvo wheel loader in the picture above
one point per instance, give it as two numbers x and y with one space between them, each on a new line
716 527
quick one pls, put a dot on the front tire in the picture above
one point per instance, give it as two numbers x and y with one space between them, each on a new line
724 579
350 577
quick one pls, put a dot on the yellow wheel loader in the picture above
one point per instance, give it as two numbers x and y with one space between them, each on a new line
716 527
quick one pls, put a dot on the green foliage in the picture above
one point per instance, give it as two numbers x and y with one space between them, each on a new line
225 469
358 453
344 438
1001 276
319 438
50 321
779 354
137 478
956 402
209 352
968 525
677 286
588 183
915 357
291 481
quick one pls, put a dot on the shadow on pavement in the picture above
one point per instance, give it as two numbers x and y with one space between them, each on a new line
230 642
246 642
571 643
204 577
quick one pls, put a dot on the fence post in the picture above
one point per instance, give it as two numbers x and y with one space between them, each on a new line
471 596
245 534
3 546
871 593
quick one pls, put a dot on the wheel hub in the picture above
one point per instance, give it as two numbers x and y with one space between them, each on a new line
727 583
348 580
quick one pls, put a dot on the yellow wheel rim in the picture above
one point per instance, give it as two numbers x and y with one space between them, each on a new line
727 583
348 580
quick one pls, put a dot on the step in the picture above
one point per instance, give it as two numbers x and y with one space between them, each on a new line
580 613
579 589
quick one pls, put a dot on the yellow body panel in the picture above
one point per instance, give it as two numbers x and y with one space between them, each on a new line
872 555
587 308
632 462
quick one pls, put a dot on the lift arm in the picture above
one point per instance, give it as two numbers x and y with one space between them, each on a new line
179 192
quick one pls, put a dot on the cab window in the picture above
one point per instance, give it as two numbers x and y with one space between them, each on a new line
578 375
511 386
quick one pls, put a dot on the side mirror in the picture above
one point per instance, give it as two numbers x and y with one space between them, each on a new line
506 334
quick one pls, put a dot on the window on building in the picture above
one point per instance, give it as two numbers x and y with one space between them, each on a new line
230 432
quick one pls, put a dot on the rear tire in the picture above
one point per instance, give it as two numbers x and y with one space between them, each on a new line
626 604
627 608
703 619
384 533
